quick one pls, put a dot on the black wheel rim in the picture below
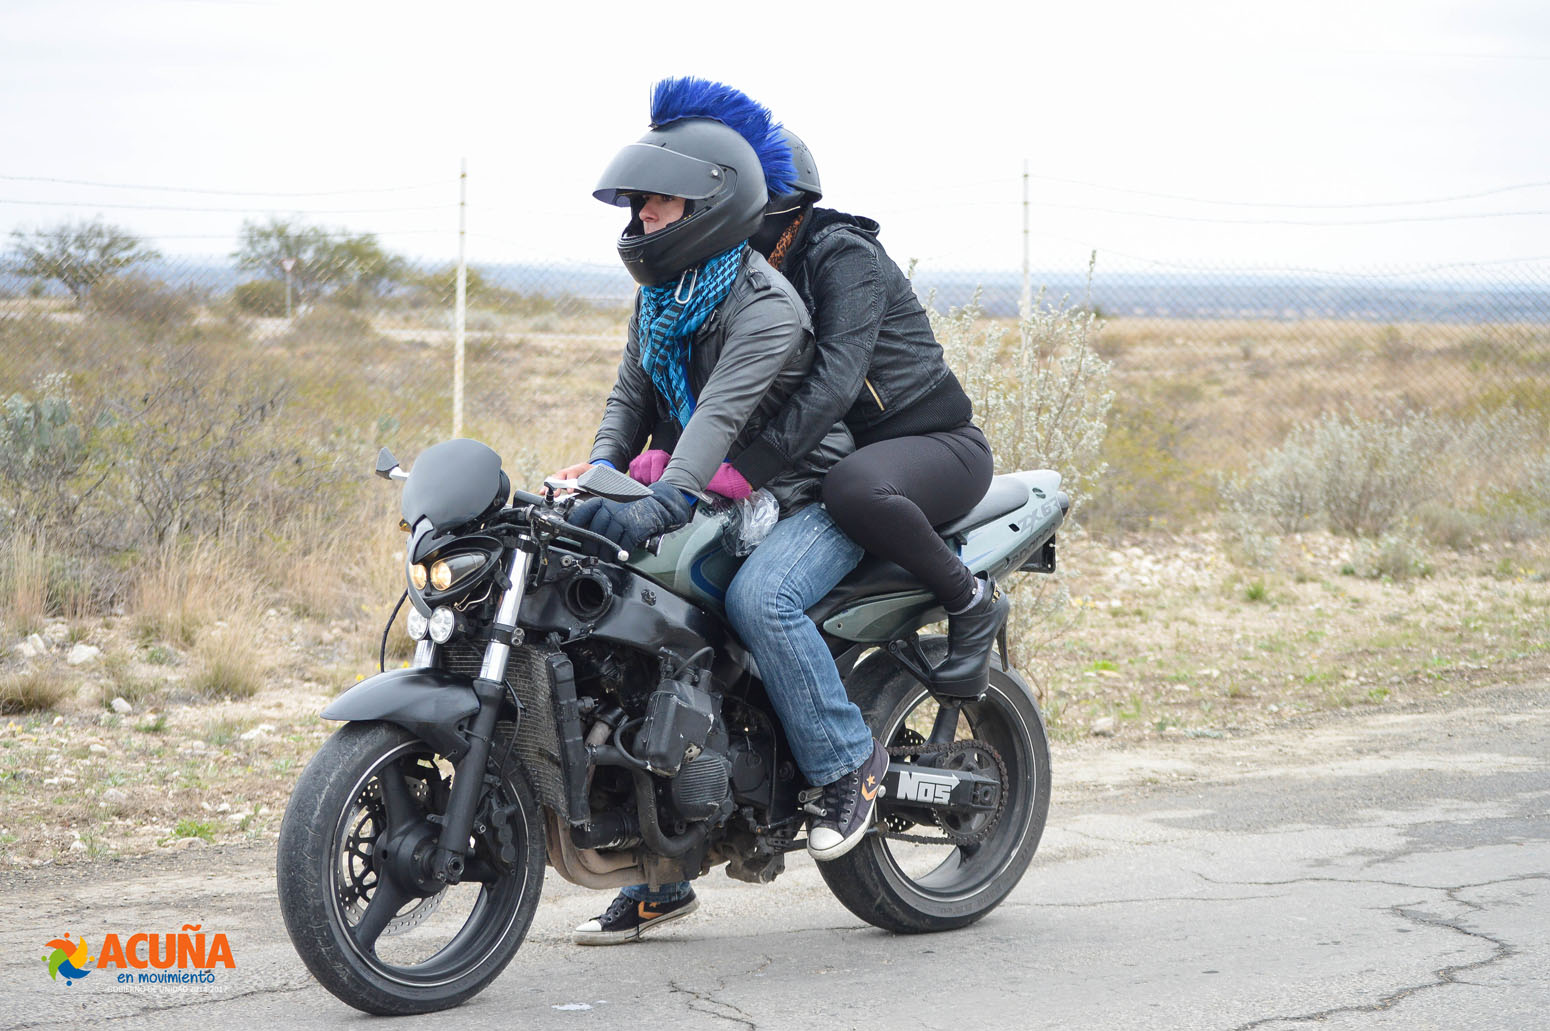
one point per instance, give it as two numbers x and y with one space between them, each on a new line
948 873
404 942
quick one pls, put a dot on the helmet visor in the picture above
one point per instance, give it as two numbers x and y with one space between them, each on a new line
648 168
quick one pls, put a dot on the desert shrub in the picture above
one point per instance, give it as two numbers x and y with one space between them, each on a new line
142 300
1361 476
44 451
1371 471
1286 488
1043 398
264 297
1393 556
1453 481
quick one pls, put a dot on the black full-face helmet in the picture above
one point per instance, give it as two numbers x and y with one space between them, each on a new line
717 173
805 187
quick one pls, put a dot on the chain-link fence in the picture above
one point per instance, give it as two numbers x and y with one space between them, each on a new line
152 398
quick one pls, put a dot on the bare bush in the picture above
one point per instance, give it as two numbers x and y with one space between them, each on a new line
1044 398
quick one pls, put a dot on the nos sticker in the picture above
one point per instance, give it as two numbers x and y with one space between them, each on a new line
931 788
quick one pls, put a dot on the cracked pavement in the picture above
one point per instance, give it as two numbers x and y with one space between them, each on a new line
1388 869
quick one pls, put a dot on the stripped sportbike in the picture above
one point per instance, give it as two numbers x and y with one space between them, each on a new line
597 716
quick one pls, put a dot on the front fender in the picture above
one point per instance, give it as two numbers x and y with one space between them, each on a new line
432 704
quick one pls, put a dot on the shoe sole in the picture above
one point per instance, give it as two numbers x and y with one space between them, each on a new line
634 933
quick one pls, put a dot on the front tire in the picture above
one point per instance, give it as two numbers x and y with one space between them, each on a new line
916 888
372 937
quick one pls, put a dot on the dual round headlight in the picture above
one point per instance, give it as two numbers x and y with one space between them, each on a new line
441 624
444 573
438 627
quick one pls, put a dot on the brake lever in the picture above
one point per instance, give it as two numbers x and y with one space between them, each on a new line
561 527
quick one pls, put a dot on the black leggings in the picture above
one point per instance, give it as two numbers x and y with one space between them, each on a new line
888 496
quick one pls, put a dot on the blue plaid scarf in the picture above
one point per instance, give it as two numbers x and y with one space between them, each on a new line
669 316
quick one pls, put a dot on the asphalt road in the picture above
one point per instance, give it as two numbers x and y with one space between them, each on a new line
1382 870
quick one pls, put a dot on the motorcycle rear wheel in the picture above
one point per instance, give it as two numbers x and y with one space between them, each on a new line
914 888
378 944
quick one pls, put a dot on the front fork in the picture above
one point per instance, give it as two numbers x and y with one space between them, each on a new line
489 686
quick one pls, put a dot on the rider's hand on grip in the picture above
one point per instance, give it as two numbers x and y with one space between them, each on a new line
630 523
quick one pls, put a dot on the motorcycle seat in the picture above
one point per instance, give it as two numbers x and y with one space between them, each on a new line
1006 494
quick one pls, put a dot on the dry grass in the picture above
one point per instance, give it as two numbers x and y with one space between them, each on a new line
227 664
35 690
24 575
182 589
1246 384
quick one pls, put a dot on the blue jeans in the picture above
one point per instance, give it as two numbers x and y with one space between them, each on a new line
796 565
667 893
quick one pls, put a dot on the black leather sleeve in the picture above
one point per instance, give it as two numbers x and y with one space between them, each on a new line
850 297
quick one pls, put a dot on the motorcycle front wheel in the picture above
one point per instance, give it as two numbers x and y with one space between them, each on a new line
356 903
912 887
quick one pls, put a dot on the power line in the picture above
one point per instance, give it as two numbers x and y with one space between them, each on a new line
1302 207
1492 192
220 211
1466 216
1166 216
223 193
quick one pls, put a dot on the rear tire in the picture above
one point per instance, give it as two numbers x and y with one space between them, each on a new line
369 786
909 888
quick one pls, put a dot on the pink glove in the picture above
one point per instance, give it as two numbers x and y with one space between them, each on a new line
648 465
727 482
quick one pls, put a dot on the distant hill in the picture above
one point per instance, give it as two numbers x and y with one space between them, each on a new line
1128 295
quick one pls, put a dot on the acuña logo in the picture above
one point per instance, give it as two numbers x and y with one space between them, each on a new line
187 957
68 958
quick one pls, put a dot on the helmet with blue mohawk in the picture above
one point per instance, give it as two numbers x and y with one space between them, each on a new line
711 145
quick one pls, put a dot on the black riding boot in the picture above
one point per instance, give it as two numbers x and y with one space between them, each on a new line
971 633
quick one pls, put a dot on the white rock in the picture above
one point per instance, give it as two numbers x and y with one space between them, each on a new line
56 634
77 845
98 749
114 795
81 654
32 647
1103 726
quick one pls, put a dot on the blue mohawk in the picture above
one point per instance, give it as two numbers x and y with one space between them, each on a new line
688 97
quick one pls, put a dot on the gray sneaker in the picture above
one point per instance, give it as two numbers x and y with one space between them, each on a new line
842 812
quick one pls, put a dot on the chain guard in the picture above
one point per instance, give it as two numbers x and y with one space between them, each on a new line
892 825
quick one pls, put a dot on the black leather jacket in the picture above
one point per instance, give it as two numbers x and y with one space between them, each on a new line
744 363
878 367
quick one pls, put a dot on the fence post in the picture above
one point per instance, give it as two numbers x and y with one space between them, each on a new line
460 308
1025 302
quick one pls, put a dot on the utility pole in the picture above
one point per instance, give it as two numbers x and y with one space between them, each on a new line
460 308
1025 304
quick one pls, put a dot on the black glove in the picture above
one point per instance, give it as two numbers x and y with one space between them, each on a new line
630 523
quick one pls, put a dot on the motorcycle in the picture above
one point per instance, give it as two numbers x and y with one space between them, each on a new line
597 716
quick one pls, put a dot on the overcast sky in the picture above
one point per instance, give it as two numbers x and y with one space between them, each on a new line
1324 133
